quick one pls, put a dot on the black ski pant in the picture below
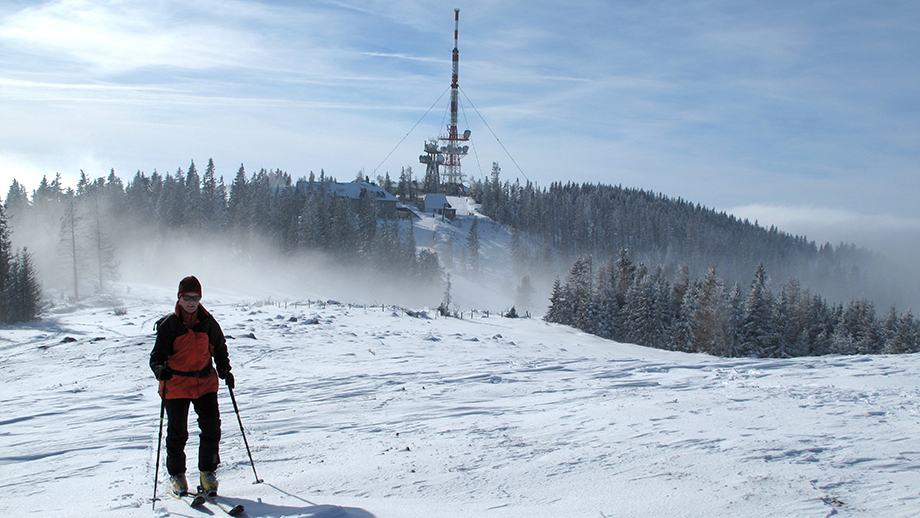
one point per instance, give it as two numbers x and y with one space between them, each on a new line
177 433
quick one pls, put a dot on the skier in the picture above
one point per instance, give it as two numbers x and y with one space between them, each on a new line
186 341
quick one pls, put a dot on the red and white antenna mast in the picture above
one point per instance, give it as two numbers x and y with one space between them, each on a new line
450 148
455 75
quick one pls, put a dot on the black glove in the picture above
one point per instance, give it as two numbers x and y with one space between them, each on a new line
163 372
227 376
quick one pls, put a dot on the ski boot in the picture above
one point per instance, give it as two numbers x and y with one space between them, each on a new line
208 483
179 484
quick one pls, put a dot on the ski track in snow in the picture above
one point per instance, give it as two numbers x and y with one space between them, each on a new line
369 412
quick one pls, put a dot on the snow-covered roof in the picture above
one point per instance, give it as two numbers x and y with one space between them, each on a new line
353 190
436 201
463 204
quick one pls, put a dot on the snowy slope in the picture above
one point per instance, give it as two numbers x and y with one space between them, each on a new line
494 287
369 412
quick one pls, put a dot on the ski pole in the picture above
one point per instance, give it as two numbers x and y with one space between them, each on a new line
237 410
156 471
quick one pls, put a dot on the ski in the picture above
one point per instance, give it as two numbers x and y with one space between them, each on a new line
236 510
192 499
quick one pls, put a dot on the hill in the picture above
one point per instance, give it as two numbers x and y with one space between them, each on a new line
569 220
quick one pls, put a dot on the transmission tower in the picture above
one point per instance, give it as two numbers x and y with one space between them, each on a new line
447 150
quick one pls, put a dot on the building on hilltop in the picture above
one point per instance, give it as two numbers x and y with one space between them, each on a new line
353 191
438 204
385 202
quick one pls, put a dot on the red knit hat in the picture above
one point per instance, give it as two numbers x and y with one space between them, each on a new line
189 284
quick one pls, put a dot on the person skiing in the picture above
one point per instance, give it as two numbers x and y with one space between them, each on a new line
187 340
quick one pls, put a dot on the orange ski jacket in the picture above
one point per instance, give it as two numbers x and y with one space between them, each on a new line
188 353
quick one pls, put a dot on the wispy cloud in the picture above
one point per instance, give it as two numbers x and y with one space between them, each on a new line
777 105
401 56
115 37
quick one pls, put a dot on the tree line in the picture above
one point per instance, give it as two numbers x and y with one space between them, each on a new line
266 207
550 228
628 302
569 220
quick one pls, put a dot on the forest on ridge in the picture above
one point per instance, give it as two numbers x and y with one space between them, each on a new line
670 274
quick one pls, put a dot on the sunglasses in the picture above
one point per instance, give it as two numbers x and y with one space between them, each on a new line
188 298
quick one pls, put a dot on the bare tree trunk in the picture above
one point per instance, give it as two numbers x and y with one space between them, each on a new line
73 249
99 250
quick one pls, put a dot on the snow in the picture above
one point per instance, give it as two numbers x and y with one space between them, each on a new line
497 283
362 412
465 205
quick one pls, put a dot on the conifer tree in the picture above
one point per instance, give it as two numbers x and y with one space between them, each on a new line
906 337
663 312
17 201
387 183
6 252
645 319
681 286
472 245
685 325
408 252
237 205
367 224
734 325
402 187
193 207
387 247
609 323
789 321
169 204
523 296
758 336
819 327
138 197
842 341
889 325
429 271
622 276
711 317
519 254
579 285
213 198
22 293
560 308
860 323
113 197
345 230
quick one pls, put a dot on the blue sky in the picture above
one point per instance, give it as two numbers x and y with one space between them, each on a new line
805 115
